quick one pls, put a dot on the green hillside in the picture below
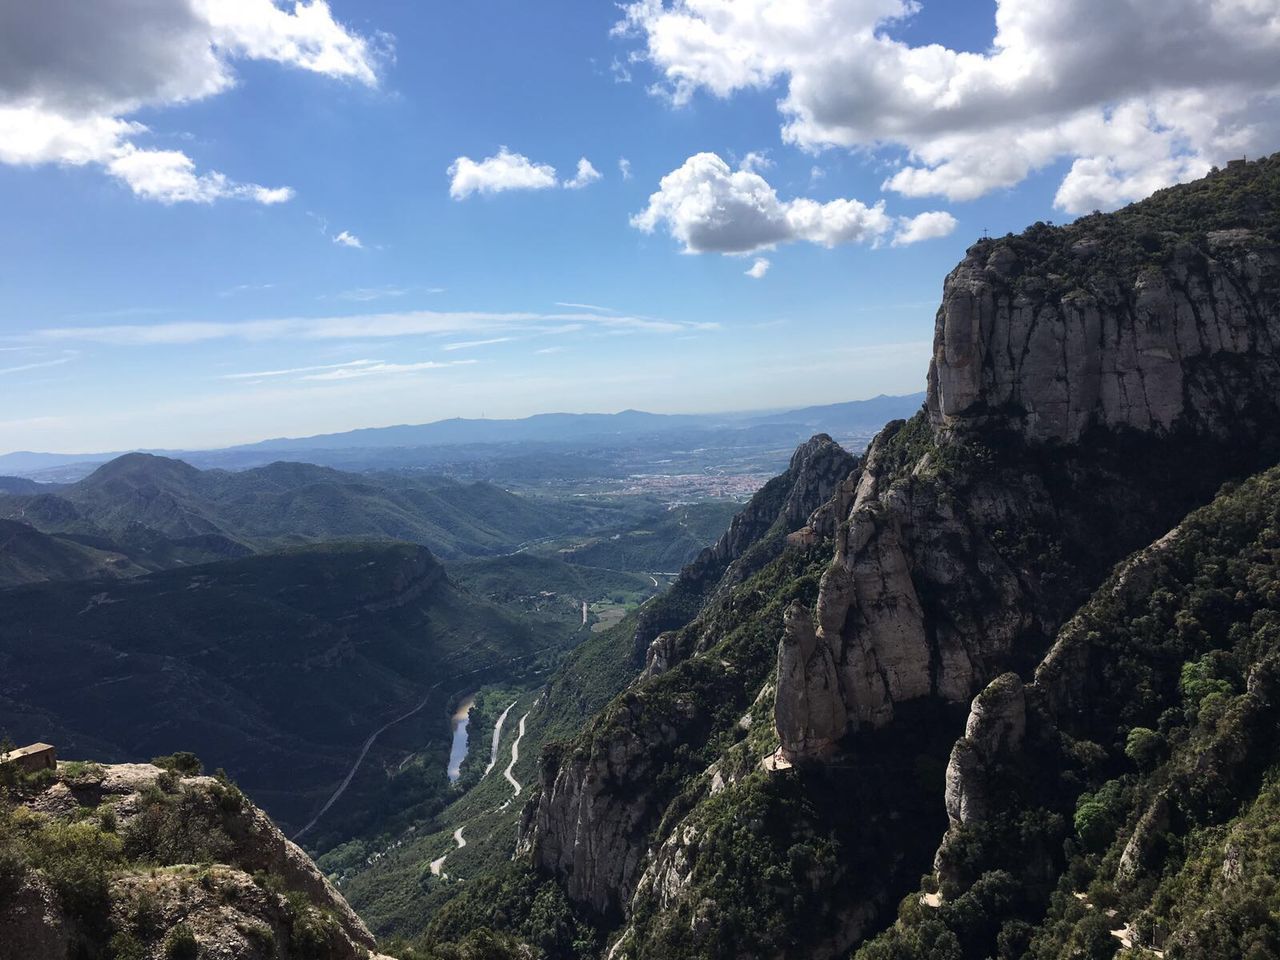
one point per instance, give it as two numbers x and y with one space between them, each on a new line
274 667
287 504
29 556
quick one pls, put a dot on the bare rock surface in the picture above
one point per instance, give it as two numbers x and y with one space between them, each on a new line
808 708
230 914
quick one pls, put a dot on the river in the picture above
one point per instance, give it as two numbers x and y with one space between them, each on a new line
458 752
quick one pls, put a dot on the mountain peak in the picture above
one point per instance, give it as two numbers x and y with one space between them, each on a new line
142 466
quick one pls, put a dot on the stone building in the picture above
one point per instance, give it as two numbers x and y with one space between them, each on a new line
29 759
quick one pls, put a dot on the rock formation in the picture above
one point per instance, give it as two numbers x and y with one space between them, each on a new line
224 906
756 535
1149 351
1090 386
930 593
808 710
996 726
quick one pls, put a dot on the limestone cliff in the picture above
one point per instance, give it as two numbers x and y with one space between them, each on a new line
1090 386
809 714
1151 348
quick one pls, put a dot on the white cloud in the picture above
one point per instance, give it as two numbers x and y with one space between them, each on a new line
549 350
624 168
370 326
596 308
708 206
1136 94
292 371
351 370
512 171
503 171
758 269
386 369
926 226
37 365
365 294
586 174
348 239
71 74
471 344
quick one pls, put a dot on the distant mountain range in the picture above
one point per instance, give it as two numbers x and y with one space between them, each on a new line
476 439
144 512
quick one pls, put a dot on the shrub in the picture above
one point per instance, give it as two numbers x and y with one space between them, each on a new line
1098 816
183 762
1144 747
181 944
125 946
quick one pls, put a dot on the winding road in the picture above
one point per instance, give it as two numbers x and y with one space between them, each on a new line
515 758
497 736
438 864
364 751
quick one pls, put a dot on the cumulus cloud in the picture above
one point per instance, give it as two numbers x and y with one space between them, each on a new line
348 239
710 207
503 171
624 168
1136 94
72 73
586 174
506 170
758 269
926 226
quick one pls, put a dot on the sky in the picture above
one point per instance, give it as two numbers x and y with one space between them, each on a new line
230 220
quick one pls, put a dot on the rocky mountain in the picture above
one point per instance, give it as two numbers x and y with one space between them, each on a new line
1125 794
756 535
132 860
778 785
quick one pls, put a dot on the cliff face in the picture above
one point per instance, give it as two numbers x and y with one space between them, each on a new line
1122 367
1090 386
1150 351
1139 764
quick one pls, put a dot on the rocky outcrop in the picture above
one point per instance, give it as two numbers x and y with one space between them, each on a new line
808 709
589 824
756 535
1065 366
1150 350
227 907
996 726
1090 386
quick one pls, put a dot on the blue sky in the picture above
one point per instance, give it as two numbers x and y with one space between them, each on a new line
146 301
